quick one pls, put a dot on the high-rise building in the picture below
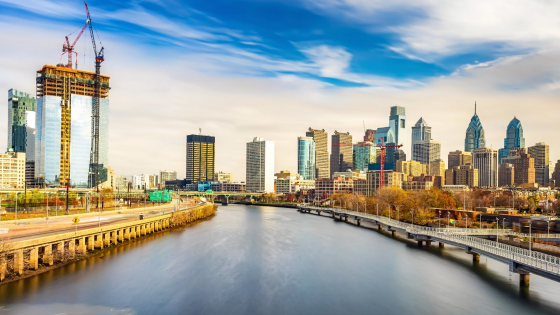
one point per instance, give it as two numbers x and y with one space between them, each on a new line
397 122
411 168
540 152
321 152
420 132
364 154
458 158
224 177
12 169
437 168
524 166
506 174
260 166
21 123
167 175
426 151
369 135
486 162
475 134
201 152
64 126
556 174
465 175
399 155
384 135
341 153
306 158
514 138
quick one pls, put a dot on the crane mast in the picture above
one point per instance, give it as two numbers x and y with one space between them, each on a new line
94 155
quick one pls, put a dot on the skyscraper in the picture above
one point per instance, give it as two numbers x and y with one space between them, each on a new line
63 130
364 154
426 151
200 158
306 158
397 122
260 166
21 123
514 138
166 176
458 158
369 135
420 132
486 162
384 135
321 152
523 165
341 153
540 152
475 134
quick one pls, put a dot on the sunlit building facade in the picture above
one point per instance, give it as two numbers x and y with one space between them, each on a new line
306 158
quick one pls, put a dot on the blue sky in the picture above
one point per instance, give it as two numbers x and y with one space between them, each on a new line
262 67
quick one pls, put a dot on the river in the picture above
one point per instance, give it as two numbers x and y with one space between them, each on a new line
264 260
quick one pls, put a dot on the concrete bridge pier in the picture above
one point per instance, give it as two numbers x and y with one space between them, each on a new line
48 255
393 233
18 262
3 268
99 241
120 236
133 232
34 258
419 243
359 222
143 230
90 242
428 243
318 212
114 237
475 258
72 248
107 239
379 227
60 250
346 219
441 245
82 250
524 280
127 234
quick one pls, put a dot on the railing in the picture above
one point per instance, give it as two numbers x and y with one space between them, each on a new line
523 256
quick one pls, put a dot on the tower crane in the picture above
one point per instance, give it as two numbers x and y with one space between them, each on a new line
69 49
94 153
383 146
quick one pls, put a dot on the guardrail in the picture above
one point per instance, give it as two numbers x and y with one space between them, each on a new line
537 260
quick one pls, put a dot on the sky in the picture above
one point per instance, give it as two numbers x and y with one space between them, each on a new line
273 68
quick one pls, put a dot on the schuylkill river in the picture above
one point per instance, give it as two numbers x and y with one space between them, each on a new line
261 260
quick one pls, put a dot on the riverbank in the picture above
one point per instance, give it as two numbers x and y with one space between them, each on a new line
19 260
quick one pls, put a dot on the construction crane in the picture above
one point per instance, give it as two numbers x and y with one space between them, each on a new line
94 153
383 146
69 49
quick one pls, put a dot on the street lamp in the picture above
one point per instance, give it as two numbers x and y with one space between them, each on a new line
497 231
447 219
16 208
412 211
530 223
398 216
439 220
377 204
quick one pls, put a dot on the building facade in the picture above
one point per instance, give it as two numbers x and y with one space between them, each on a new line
397 122
513 140
341 153
260 166
322 164
224 177
201 152
524 166
486 162
506 174
540 152
426 151
306 158
363 154
474 138
166 175
21 123
12 170
373 182
458 158
326 187
63 136
420 132
412 168
464 175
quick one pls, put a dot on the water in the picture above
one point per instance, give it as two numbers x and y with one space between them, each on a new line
259 260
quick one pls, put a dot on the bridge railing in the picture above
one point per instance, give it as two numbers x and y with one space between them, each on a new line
527 257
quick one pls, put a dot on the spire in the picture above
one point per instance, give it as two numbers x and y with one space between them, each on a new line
475 107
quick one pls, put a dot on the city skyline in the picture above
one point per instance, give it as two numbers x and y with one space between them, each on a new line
323 77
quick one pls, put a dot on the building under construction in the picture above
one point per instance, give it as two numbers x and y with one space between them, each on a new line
64 125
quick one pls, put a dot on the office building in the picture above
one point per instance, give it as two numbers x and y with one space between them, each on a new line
224 177
12 169
465 175
166 175
355 175
322 164
437 168
397 122
201 152
64 126
30 173
21 123
373 182
540 152
121 182
412 168
290 183
506 174
523 164
474 138
426 151
399 155
420 132
384 135
369 135
486 162
364 153
556 174
458 158
341 153
260 166
325 187
306 158
513 140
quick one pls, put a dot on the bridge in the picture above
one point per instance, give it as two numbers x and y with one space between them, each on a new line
521 261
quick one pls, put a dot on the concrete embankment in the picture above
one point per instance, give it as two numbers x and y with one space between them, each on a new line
21 259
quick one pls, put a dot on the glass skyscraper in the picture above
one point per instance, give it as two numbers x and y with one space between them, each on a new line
420 132
21 123
475 134
306 158
397 122
514 139
364 154
201 152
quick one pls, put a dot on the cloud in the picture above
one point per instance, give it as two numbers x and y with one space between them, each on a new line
331 61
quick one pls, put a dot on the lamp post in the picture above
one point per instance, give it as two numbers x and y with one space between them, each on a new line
98 211
497 231
439 220
530 223
466 222
398 216
412 211
16 207
480 214
377 204
447 219
504 224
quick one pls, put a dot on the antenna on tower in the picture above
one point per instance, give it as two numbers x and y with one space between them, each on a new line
200 131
